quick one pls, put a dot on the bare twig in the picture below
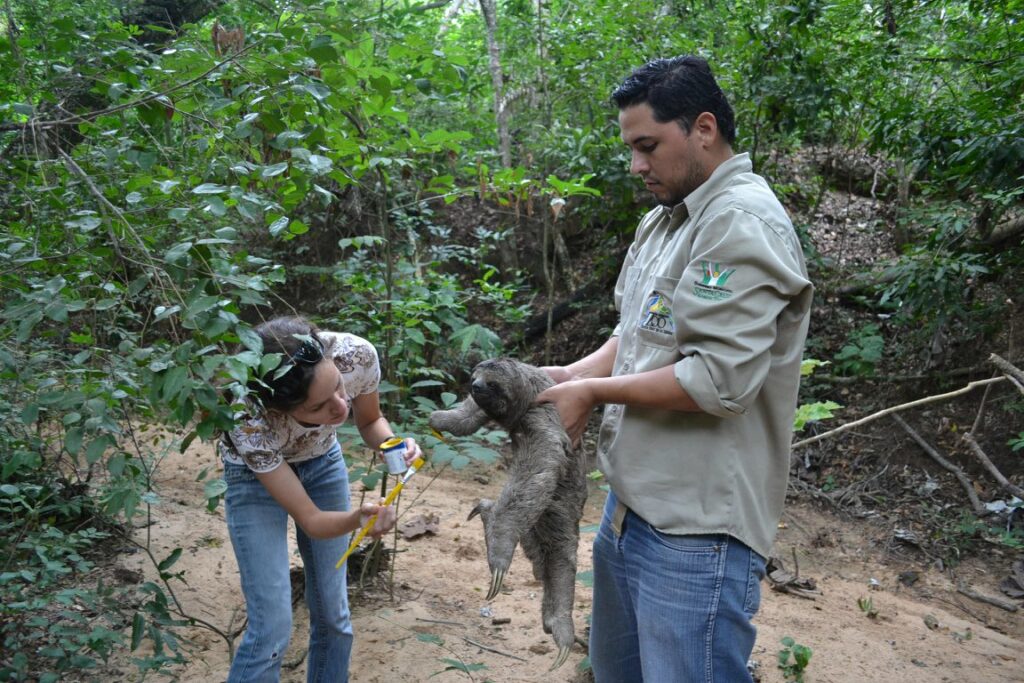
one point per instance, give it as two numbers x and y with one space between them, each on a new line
176 607
993 470
946 464
491 649
894 409
439 621
981 410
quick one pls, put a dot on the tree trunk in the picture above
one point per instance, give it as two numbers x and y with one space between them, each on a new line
489 11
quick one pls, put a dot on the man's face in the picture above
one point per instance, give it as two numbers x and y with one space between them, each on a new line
670 161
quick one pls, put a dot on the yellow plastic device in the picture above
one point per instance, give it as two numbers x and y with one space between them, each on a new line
416 464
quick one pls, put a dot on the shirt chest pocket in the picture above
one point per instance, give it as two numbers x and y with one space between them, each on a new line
655 324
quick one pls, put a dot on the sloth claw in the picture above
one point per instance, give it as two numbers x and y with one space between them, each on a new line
496 580
563 654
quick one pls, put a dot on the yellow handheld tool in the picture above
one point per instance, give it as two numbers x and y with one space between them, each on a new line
416 464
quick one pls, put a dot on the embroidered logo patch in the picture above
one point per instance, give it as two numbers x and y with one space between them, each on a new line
657 314
712 284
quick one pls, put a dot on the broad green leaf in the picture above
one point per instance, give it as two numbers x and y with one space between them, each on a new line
214 488
97 447
209 188
169 561
278 226
274 170
73 440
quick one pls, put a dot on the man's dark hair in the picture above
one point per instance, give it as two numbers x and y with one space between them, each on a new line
678 89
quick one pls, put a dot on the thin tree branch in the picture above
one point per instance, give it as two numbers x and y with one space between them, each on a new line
1010 370
946 465
894 409
990 466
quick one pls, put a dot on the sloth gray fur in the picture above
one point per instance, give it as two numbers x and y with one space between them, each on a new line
541 503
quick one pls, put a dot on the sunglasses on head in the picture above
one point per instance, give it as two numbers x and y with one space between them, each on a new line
310 353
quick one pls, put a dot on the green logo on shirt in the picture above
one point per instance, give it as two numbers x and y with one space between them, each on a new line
712 283
714 274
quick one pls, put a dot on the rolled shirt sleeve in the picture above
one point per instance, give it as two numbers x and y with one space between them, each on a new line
740 277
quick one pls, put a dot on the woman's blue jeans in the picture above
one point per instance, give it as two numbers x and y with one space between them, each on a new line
259 533
671 608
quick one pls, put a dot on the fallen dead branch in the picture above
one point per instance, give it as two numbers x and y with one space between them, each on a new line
782 580
990 466
976 504
987 599
1010 370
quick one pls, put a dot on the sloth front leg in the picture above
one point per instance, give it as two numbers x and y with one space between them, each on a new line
464 419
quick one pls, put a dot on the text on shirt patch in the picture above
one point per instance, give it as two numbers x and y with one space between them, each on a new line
657 316
712 284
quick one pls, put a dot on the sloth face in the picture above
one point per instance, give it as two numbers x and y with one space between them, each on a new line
499 388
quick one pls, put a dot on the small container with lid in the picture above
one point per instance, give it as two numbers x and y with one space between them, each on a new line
394 454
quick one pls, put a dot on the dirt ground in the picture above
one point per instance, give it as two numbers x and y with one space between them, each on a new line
439 627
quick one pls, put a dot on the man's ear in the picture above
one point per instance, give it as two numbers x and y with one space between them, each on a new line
705 127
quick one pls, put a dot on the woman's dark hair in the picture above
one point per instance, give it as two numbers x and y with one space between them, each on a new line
301 348
678 89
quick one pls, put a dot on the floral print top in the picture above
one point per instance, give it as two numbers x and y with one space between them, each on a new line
262 440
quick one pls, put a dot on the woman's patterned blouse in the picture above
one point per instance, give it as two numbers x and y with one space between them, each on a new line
263 440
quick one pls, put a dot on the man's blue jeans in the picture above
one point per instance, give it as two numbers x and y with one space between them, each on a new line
671 609
259 533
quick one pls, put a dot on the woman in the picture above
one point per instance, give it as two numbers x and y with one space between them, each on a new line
283 458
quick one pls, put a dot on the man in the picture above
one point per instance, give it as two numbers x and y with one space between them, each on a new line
699 382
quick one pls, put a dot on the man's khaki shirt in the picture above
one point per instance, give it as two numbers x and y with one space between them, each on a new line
716 287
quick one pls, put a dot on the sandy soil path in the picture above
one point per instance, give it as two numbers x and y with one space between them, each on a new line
438 627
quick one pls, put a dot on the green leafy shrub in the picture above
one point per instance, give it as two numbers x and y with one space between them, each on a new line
793 659
862 352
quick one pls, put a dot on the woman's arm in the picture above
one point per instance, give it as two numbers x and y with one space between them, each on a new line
375 428
287 490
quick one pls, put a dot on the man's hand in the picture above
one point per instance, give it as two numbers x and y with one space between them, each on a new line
574 401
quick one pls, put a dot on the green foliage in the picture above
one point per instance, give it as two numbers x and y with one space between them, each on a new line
51 621
867 606
933 283
814 412
967 533
862 351
457 665
809 365
793 659
1016 443
167 197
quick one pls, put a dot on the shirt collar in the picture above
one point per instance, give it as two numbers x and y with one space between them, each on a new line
694 202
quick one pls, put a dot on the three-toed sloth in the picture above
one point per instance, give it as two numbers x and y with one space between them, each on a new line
542 501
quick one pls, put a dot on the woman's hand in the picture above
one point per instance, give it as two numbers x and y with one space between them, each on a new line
385 518
412 451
